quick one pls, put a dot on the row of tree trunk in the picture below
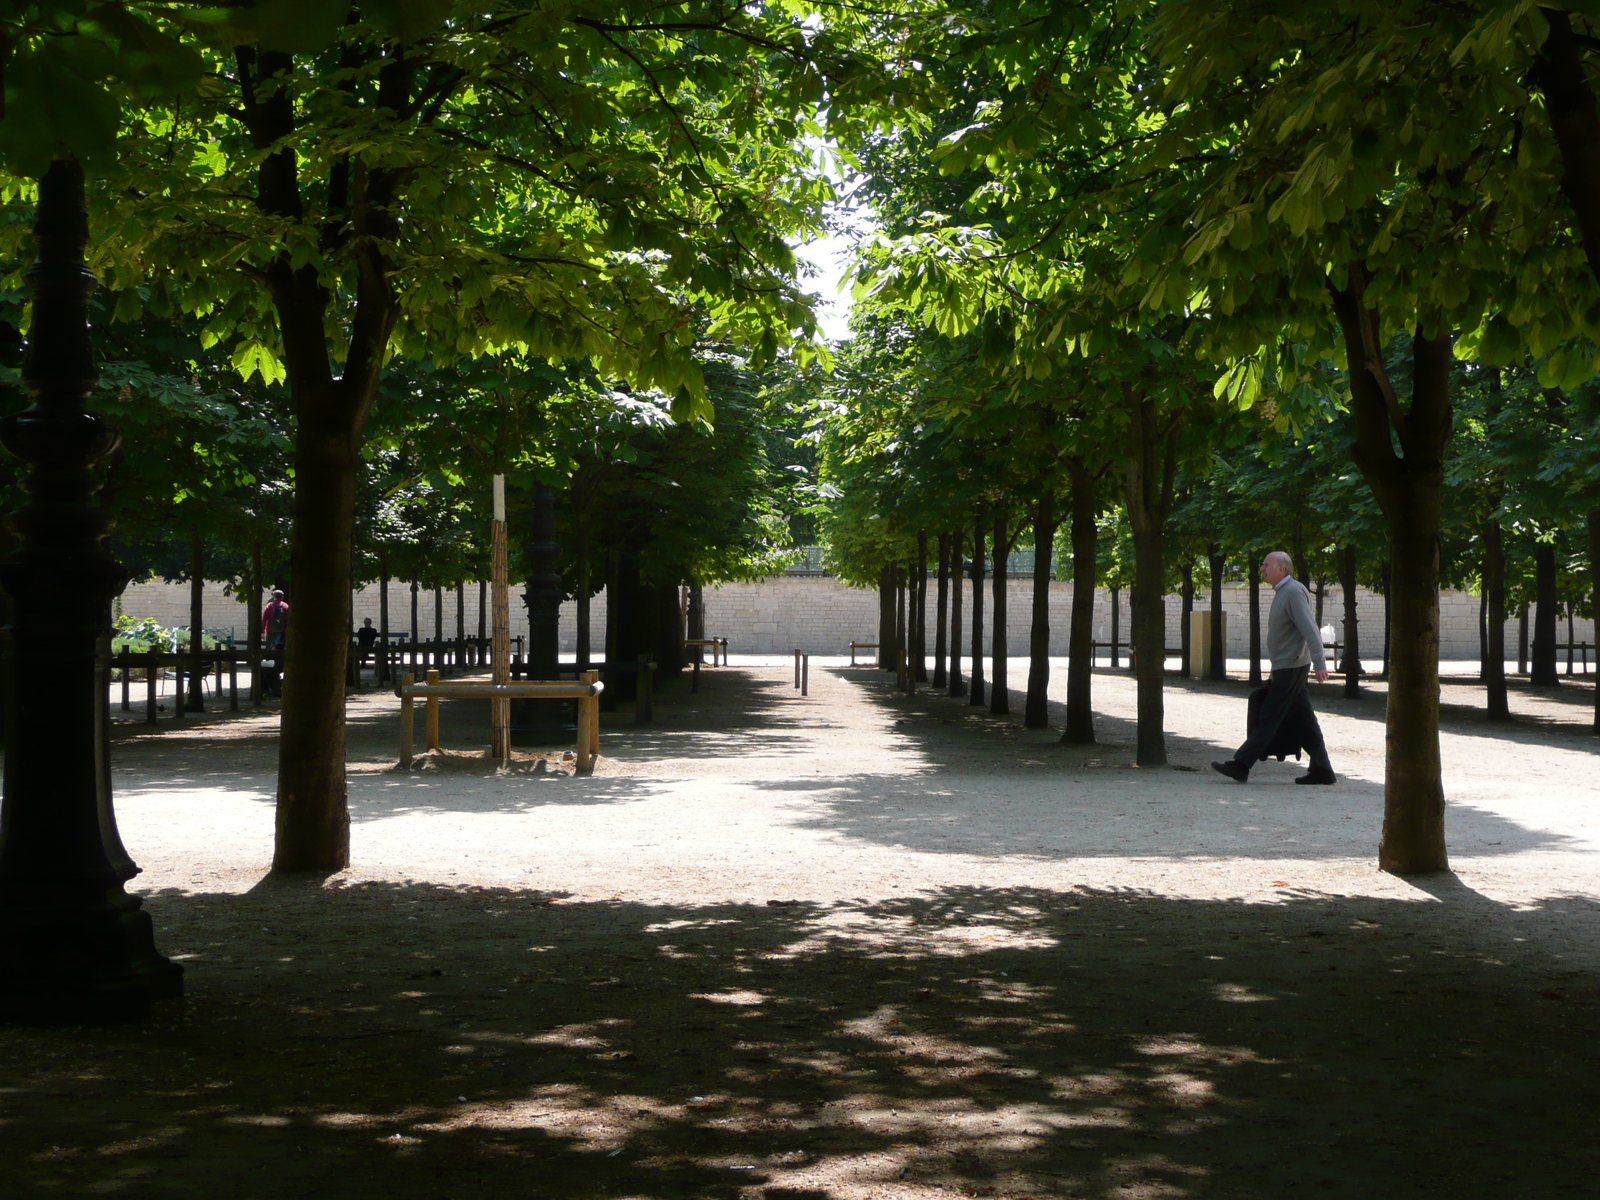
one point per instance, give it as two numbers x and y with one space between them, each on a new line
902 633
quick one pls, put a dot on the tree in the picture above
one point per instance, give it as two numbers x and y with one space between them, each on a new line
432 179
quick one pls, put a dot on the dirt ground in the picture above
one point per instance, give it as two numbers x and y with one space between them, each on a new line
848 946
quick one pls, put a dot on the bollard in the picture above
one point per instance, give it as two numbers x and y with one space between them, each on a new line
433 713
233 684
125 673
797 668
805 675
178 698
152 685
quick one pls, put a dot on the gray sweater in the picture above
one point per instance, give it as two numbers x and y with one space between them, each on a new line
1293 639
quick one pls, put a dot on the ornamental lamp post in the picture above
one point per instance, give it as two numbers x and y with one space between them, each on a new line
73 944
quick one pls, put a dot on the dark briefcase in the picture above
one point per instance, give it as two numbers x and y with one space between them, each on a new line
1286 741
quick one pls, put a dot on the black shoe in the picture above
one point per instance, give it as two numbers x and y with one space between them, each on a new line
1233 769
1316 776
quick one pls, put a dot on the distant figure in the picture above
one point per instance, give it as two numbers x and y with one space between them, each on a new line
366 636
274 634
1293 643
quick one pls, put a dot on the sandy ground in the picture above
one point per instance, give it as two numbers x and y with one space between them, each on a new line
852 944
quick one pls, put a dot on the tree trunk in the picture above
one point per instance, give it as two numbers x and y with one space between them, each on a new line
1409 487
1543 662
957 687
900 574
886 618
1594 594
313 820
583 617
1152 461
1255 619
1186 570
919 607
1217 668
1079 729
461 625
1494 591
252 612
1559 72
975 689
941 645
1522 640
1352 638
1036 712
1388 616
999 690
1116 624
1483 635
1570 636
438 626
196 701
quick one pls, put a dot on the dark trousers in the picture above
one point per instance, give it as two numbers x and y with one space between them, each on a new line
1287 699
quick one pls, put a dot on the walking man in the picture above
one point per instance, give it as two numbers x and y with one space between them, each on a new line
1293 644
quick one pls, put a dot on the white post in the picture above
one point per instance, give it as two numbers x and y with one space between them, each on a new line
500 645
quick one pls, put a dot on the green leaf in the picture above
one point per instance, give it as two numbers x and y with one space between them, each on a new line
294 26
406 20
55 108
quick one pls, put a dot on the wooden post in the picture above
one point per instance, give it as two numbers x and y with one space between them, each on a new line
433 713
406 718
500 649
805 675
642 705
588 725
152 684
797 667
125 682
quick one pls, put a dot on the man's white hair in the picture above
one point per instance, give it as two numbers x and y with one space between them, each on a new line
1281 559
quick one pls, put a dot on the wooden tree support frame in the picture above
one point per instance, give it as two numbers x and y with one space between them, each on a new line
586 692
717 644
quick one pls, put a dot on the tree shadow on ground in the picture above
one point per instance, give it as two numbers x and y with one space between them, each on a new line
421 1041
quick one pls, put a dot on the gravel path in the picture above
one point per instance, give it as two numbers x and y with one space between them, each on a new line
848 945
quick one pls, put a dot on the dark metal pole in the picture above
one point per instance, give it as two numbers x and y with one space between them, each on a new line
73 943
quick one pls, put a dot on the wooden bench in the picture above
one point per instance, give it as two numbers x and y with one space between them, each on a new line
586 692
716 643
854 646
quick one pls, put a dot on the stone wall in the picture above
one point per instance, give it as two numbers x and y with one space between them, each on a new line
820 615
